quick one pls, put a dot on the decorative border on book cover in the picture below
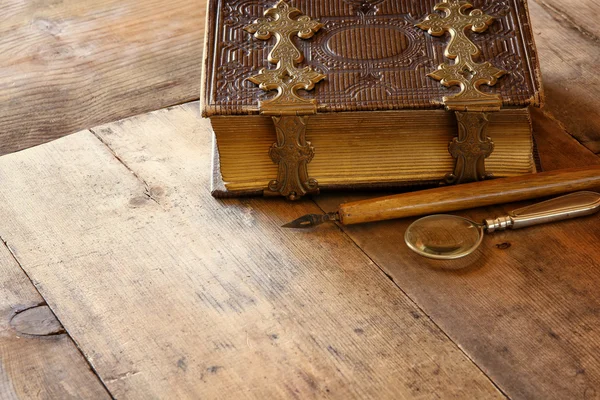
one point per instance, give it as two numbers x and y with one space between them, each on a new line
393 77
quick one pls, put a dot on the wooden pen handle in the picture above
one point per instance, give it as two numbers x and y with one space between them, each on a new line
471 195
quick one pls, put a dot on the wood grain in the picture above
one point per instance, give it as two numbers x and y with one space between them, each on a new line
525 305
558 149
69 65
72 64
173 294
38 360
574 14
566 34
472 195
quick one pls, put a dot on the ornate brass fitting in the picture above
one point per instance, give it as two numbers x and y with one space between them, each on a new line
465 71
471 104
470 148
291 152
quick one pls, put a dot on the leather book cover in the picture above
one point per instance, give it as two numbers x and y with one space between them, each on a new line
372 53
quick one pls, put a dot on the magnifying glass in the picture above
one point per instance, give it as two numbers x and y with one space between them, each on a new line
448 237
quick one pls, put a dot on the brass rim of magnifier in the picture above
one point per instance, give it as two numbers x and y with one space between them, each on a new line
446 257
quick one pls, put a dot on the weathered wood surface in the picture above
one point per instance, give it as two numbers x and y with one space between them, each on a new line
70 65
525 306
38 360
567 37
73 64
173 294
580 15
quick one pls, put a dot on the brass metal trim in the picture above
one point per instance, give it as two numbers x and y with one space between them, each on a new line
465 72
284 22
292 152
470 148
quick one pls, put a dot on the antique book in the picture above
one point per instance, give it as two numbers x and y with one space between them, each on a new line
324 94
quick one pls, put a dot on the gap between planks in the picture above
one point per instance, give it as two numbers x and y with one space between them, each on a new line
147 189
64 331
413 302
317 292
148 193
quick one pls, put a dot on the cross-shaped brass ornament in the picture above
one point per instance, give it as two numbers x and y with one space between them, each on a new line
465 72
289 111
284 22
472 146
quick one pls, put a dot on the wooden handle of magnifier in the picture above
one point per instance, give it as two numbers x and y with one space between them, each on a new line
471 195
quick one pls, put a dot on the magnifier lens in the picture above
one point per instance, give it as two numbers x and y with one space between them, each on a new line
443 236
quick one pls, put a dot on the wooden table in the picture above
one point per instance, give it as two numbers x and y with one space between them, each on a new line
121 277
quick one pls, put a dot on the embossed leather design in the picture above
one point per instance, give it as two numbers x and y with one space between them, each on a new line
373 55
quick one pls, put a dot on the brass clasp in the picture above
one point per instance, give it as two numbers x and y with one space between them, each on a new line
472 146
289 111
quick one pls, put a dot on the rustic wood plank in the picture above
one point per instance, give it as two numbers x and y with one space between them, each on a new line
525 306
69 65
575 14
556 147
566 33
173 294
38 360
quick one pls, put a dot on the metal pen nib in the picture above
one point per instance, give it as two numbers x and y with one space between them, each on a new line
312 220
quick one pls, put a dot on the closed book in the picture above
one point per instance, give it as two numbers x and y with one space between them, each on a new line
323 94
